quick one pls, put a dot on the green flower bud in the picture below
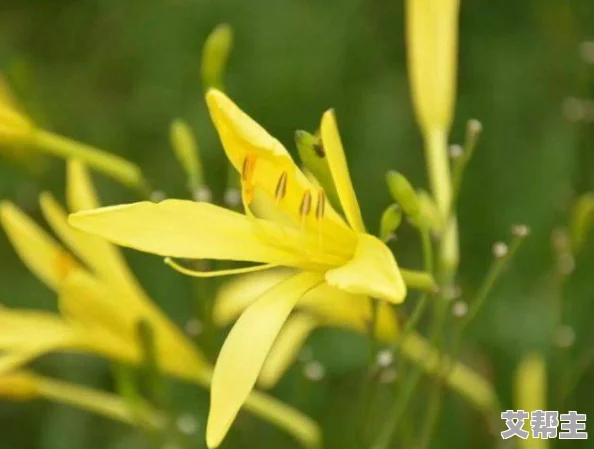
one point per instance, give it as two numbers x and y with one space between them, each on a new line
404 194
390 221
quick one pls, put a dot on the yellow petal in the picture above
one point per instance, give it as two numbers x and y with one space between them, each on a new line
40 253
80 192
340 171
286 348
330 305
242 137
530 383
236 295
246 348
338 308
372 271
27 334
432 50
179 228
14 360
112 328
101 256
240 134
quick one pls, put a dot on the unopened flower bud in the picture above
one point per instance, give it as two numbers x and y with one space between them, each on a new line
403 193
215 55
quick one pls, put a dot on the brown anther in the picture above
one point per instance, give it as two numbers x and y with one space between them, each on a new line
281 187
305 207
319 149
321 205
247 168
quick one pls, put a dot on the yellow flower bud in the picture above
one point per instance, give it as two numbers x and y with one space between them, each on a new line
432 43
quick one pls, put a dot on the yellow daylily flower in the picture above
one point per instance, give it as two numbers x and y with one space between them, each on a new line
326 306
101 305
307 234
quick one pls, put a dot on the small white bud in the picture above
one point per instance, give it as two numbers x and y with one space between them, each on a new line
500 250
314 371
187 424
203 195
520 230
460 309
475 126
232 197
384 358
158 195
451 292
455 151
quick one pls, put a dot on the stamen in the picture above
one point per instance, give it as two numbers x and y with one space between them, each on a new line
247 169
305 207
281 188
247 176
321 205
320 208
215 273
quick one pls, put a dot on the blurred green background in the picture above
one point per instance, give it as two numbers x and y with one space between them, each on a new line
115 73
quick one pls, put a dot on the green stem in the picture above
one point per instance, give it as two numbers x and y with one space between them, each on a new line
98 402
395 414
438 169
441 185
444 368
116 167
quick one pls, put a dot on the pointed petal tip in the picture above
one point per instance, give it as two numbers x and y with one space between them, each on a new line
215 433
214 95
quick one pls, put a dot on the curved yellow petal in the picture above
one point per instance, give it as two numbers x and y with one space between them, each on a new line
246 348
242 137
286 348
13 360
86 302
182 229
99 255
236 295
330 305
33 331
372 271
39 252
80 192
340 171
241 134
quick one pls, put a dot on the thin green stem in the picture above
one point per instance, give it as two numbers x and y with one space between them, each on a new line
119 169
387 431
369 384
493 275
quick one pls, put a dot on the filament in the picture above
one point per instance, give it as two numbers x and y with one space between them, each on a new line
209 274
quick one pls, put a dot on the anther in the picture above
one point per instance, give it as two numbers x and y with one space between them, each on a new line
321 205
247 174
281 187
305 207
247 169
